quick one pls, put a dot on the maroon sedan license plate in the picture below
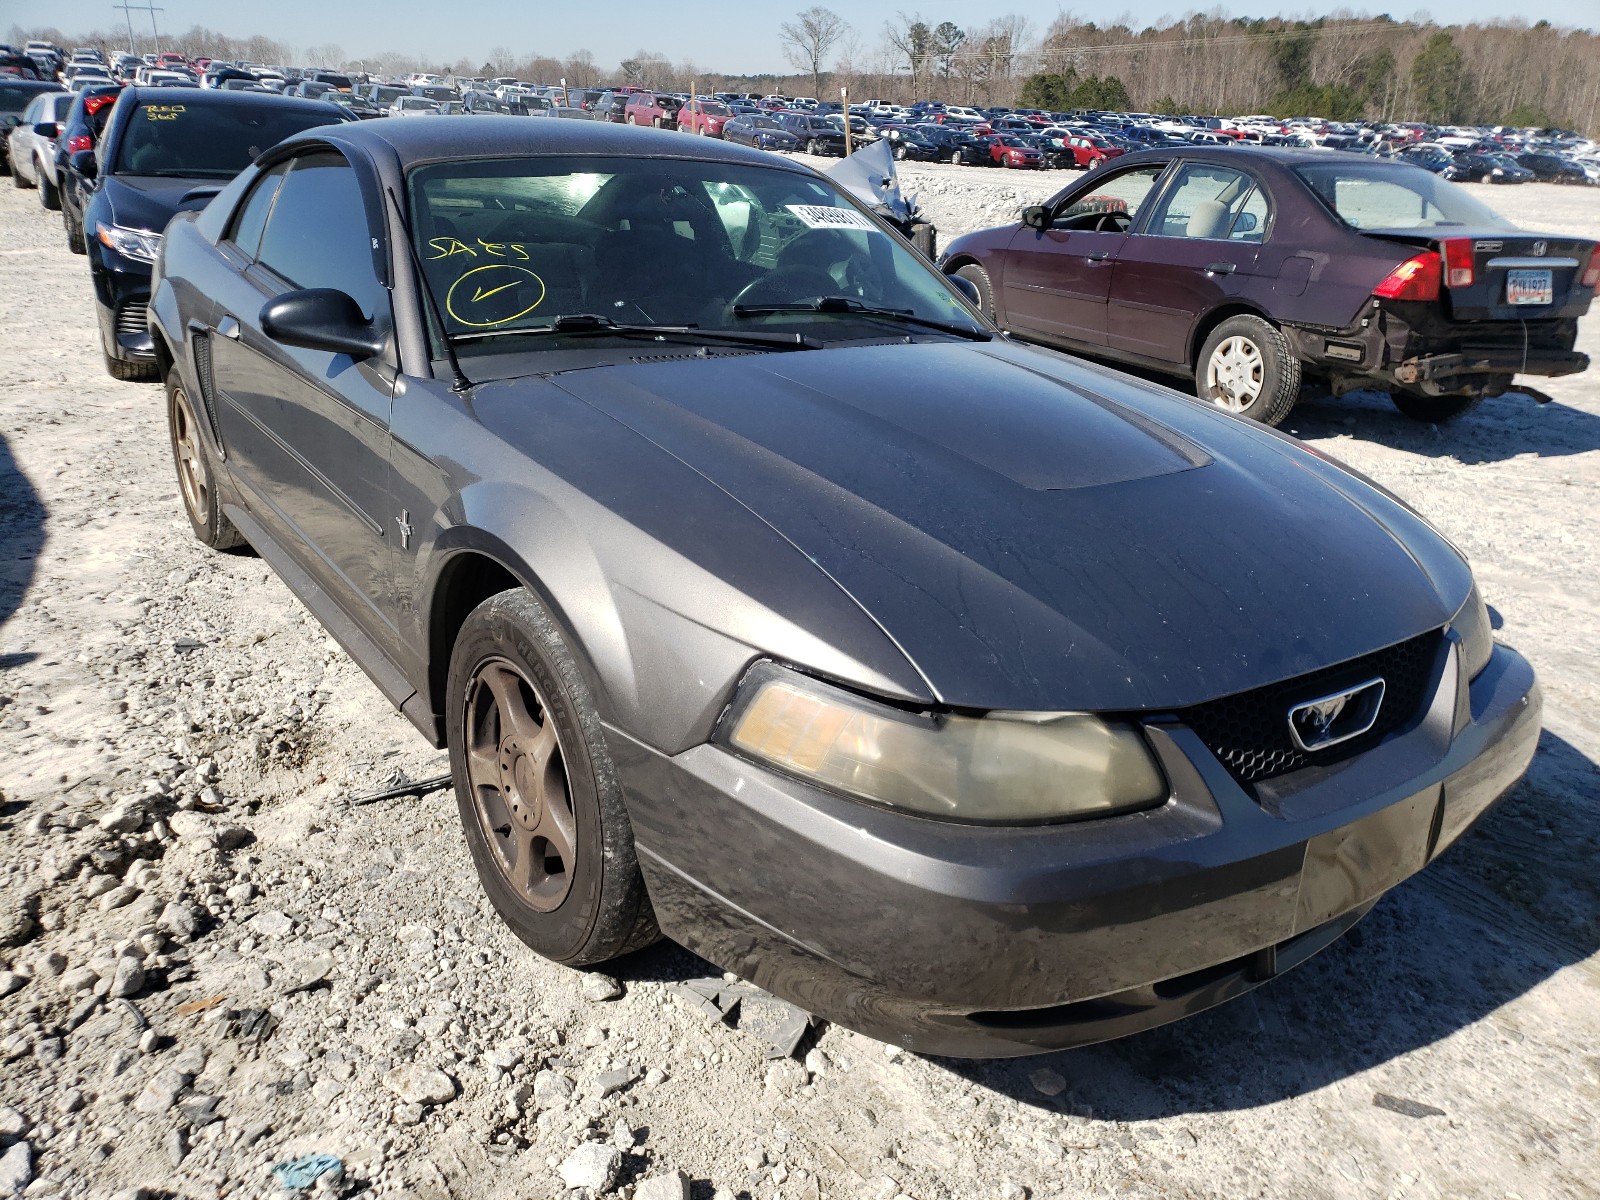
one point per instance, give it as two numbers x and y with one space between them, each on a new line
1529 287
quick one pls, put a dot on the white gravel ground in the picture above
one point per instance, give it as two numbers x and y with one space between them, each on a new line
437 1057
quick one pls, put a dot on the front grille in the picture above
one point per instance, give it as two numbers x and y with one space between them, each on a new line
1249 732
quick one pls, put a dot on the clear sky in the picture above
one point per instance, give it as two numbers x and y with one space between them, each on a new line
722 35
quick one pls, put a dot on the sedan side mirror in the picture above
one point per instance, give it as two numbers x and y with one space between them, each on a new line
1036 216
82 162
322 319
47 129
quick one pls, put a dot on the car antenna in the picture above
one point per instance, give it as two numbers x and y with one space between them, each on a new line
461 383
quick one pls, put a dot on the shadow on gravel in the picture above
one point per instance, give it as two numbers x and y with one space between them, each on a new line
1511 904
1498 429
21 538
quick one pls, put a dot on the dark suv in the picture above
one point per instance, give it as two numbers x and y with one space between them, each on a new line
817 135
161 153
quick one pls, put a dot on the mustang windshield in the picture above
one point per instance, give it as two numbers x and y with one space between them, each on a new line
512 245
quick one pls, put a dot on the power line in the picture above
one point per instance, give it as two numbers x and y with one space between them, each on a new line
129 9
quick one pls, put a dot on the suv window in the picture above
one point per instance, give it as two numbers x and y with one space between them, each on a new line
252 216
1204 202
318 236
1125 193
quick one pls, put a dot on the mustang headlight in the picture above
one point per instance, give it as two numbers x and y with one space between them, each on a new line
1477 634
142 244
1004 767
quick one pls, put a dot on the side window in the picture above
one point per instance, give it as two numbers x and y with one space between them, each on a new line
251 218
1124 193
1250 222
318 236
1203 202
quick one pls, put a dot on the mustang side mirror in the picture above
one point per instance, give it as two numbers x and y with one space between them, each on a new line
82 161
47 129
1036 216
322 319
967 288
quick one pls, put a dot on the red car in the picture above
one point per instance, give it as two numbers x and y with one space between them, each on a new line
1090 151
647 108
705 117
1248 269
1008 150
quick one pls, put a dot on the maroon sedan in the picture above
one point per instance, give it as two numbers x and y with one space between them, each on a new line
1248 269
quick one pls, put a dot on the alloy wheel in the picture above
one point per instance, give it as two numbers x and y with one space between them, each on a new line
1235 374
191 469
517 774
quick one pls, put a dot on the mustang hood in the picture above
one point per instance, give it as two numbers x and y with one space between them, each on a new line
1036 535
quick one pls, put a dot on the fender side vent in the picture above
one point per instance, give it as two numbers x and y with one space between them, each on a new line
202 371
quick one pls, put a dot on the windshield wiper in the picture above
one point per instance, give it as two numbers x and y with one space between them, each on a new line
855 308
595 325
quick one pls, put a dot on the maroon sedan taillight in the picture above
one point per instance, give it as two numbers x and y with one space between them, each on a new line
1415 279
1458 262
79 141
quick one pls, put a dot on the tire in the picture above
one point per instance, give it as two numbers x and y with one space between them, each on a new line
900 153
541 787
1247 368
655 122
75 238
49 194
980 280
955 159
196 480
132 372
1435 410
813 148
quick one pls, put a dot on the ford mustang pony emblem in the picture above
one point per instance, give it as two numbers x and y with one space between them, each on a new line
1329 720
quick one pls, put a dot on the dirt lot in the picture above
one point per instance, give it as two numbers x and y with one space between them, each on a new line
211 962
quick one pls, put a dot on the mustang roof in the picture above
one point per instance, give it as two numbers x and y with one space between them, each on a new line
435 139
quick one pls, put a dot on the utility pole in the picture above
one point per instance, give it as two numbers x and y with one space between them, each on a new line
844 102
128 9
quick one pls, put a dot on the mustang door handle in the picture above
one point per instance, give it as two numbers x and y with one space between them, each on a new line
1221 269
228 327
1097 256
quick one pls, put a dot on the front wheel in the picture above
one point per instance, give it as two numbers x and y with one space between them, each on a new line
955 159
1247 368
75 237
979 279
900 153
196 480
538 792
49 194
1434 409
813 147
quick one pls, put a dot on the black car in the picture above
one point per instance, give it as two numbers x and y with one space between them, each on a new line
910 143
1490 168
766 596
1430 158
15 96
162 154
815 135
86 121
1551 168
760 131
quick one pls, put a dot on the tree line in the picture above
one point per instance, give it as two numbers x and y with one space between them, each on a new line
1345 66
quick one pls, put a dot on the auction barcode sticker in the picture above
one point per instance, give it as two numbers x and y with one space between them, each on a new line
822 216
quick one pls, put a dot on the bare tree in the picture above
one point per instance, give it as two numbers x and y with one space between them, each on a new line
810 38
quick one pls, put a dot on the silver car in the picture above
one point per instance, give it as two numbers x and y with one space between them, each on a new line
31 146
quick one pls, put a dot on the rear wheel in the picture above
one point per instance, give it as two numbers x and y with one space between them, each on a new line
1434 409
1247 368
539 797
49 195
196 481
980 280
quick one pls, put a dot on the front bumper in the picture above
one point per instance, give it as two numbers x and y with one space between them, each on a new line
991 942
122 294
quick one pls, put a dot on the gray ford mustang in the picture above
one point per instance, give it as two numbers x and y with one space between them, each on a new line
768 597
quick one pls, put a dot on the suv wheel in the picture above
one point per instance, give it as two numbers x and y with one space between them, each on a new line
813 147
539 797
1434 409
1247 368
196 481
